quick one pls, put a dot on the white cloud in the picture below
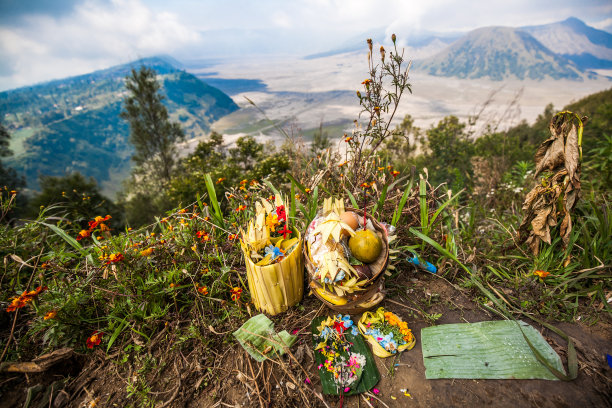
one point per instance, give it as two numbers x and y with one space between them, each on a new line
603 24
96 35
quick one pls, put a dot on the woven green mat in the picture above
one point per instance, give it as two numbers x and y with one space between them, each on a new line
370 375
486 350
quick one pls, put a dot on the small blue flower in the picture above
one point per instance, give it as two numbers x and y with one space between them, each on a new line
276 252
354 331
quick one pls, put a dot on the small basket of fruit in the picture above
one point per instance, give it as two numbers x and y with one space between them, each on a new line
346 254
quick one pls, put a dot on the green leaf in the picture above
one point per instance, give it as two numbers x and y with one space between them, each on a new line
352 199
472 350
397 214
116 334
443 206
274 190
212 195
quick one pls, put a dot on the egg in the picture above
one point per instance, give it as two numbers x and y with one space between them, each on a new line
351 219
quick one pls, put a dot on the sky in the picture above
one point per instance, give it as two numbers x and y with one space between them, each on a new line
42 40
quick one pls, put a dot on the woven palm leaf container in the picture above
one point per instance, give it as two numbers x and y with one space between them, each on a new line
274 288
373 291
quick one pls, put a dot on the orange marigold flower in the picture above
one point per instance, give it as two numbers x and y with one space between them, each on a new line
203 290
50 315
541 274
366 184
381 168
307 190
206 218
231 196
240 208
203 235
348 138
94 339
114 258
366 82
172 285
23 299
377 109
83 234
243 182
104 227
231 237
272 221
236 293
253 182
45 265
220 180
343 163
395 173
146 252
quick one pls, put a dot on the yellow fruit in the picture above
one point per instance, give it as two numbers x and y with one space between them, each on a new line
365 245
331 298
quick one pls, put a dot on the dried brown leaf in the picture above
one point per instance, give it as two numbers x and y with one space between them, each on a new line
572 153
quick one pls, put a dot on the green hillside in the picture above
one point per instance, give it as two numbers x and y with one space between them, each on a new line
73 124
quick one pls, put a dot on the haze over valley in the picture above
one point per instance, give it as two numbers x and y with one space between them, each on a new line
503 74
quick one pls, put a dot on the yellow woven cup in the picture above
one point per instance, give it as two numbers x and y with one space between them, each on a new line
373 318
274 288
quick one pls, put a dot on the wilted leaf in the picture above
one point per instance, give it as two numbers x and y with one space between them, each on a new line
560 155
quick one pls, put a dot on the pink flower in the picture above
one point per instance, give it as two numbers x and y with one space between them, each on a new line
294 332
347 389
307 380
375 391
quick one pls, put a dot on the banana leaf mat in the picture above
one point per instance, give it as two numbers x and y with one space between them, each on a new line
369 376
258 338
486 350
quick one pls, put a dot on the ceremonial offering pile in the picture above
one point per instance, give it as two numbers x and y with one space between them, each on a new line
386 332
345 364
273 256
346 254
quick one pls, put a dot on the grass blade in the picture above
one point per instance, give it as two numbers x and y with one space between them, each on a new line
212 195
397 214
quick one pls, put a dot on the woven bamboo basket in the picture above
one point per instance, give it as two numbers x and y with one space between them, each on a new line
377 349
274 288
373 292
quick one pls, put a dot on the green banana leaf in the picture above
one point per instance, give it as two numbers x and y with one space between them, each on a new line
258 338
370 375
486 350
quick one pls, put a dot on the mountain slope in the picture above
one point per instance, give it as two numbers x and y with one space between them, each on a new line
586 46
74 125
498 53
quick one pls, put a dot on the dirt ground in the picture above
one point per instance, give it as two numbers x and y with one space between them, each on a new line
230 379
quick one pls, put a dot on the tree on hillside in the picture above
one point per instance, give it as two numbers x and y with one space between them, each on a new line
449 151
76 198
9 179
151 132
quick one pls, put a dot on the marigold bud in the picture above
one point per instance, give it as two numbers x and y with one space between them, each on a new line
393 38
369 41
382 53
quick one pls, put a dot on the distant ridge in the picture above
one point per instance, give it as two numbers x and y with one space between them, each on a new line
73 124
498 53
587 47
